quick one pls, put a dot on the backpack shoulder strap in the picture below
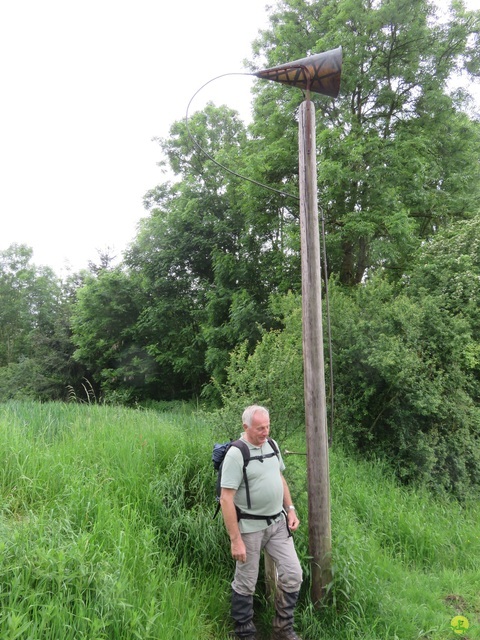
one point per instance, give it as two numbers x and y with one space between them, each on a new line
243 446
273 444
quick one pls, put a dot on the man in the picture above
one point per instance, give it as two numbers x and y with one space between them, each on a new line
262 526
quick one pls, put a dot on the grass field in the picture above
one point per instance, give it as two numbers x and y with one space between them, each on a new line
106 532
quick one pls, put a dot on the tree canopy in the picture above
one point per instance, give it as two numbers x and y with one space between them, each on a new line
390 171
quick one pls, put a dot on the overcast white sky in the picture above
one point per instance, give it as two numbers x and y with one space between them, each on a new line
85 86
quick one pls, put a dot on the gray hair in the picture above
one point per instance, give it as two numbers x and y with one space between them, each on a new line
250 411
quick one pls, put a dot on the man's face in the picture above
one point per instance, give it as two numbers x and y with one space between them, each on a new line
257 434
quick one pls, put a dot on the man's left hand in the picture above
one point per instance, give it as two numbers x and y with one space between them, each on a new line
292 519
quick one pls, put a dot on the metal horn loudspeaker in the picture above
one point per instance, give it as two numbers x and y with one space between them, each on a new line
319 73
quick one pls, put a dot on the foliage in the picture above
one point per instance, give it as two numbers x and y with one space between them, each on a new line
204 264
403 391
106 532
389 174
205 304
35 344
27 297
86 511
103 323
448 267
272 375
405 362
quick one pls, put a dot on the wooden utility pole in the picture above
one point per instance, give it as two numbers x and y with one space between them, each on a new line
319 527
319 73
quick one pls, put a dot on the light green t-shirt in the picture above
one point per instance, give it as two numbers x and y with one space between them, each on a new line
264 483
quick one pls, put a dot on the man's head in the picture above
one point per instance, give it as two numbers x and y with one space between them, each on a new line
256 424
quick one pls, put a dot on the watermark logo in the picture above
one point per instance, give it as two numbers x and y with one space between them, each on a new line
459 624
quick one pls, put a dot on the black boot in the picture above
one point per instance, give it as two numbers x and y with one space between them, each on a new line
242 614
283 622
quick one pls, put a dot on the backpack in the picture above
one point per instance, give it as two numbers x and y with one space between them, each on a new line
218 454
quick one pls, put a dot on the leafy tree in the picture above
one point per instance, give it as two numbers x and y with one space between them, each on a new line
403 386
35 346
103 323
448 268
397 155
17 306
206 268
391 174
407 364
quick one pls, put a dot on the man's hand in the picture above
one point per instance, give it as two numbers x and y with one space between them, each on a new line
239 553
229 512
292 520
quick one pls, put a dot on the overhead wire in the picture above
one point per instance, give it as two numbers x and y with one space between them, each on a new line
210 157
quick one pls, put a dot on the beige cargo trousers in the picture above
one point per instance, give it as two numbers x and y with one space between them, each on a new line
277 541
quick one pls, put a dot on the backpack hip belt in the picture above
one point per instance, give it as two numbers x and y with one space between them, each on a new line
241 515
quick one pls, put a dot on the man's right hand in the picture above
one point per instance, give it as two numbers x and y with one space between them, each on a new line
239 553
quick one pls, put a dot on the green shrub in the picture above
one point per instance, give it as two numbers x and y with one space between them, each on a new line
271 376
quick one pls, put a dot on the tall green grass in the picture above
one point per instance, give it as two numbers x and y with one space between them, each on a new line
404 563
106 532
99 525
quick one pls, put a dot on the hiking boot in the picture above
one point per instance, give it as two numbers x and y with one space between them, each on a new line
285 634
245 632
283 620
242 614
